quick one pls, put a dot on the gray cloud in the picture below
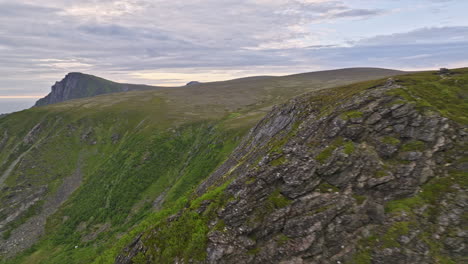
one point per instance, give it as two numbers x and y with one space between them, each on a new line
116 38
358 13
421 36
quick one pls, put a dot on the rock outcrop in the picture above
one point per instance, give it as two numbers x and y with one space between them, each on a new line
340 176
78 85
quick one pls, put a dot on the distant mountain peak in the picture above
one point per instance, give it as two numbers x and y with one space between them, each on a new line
192 83
70 87
80 85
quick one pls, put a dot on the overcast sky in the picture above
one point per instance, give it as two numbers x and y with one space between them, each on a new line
171 42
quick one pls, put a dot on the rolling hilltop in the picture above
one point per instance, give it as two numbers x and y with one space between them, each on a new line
78 85
155 174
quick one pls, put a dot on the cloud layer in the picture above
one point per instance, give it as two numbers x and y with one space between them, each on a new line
172 42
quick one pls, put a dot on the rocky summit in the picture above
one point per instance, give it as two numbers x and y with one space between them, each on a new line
367 173
79 85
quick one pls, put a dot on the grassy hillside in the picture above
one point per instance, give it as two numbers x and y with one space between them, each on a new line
76 176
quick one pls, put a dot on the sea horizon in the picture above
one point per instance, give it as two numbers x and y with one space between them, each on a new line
11 105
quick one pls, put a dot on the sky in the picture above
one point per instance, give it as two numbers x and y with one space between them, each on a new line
172 42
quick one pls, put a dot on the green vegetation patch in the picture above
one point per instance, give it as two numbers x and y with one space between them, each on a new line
359 198
277 200
186 236
320 210
364 253
415 145
254 251
328 99
279 161
380 174
327 188
282 239
430 193
362 257
429 91
351 114
391 140
349 147
328 151
398 229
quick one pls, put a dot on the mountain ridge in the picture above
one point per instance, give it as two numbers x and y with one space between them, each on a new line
76 85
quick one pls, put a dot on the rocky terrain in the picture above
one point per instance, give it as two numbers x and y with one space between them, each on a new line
368 173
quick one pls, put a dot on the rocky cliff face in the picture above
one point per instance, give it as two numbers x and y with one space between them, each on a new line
78 85
374 173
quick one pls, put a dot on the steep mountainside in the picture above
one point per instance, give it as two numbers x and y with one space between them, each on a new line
78 85
374 172
76 176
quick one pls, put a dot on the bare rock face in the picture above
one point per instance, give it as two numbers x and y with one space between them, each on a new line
78 85
64 90
374 180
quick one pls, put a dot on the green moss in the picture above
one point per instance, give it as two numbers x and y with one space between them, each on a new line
349 147
404 205
430 193
328 151
277 145
211 195
390 238
282 239
351 114
391 140
274 201
435 248
362 257
415 145
279 161
359 198
253 251
277 200
320 210
396 102
250 180
327 188
6 234
220 225
380 174
364 252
